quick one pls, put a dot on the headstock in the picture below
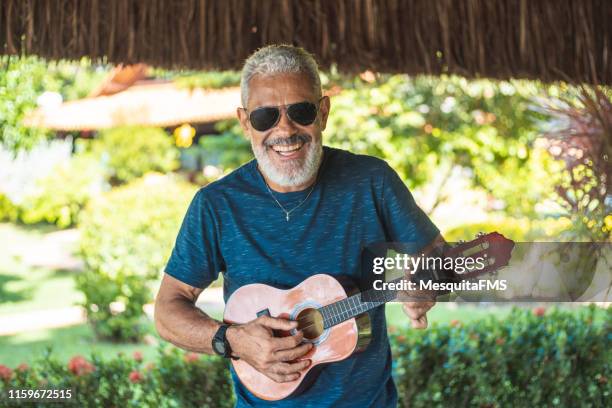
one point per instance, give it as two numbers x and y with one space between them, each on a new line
493 249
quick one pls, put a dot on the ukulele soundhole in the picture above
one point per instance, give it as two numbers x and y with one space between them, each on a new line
310 322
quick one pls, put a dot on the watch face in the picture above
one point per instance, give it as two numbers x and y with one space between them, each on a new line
219 347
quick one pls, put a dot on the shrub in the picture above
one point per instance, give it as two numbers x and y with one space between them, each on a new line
8 210
127 236
534 359
517 229
172 380
130 152
62 194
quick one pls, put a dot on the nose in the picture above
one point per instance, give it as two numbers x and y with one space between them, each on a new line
285 125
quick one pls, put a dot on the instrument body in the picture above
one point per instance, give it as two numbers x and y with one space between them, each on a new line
332 344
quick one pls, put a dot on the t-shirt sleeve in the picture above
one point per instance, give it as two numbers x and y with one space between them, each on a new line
404 220
196 259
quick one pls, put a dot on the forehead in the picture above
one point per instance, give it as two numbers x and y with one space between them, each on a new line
279 89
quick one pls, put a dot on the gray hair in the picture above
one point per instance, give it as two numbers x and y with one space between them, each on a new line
279 59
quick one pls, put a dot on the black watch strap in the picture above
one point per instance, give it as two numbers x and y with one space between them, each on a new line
220 344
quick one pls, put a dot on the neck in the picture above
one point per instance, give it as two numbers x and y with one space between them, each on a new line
345 309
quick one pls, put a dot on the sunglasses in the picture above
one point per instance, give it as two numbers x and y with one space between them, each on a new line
266 117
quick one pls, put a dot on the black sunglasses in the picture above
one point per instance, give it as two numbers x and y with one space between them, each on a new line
266 117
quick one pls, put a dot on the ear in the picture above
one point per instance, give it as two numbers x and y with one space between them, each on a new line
324 111
243 118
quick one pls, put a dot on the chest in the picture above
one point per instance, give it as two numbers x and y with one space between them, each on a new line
325 234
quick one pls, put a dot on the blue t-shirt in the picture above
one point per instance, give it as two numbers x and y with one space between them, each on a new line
235 227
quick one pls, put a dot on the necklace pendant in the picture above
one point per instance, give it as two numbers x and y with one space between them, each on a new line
287 217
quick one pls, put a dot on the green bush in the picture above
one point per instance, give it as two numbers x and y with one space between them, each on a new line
62 194
174 379
533 359
8 210
130 152
517 229
127 236
227 150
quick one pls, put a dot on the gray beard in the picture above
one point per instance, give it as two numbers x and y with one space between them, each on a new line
293 174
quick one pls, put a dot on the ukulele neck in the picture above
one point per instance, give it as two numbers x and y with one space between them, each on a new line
345 309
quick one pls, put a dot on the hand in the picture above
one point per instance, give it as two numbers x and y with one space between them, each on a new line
417 311
254 342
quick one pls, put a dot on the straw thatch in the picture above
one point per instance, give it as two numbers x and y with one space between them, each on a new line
540 39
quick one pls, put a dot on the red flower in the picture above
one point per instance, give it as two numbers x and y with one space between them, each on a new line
137 356
455 323
401 338
22 367
5 372
539 311
136 377
191 357
78 365
500 341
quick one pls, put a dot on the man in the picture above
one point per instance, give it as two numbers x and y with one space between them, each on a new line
296 210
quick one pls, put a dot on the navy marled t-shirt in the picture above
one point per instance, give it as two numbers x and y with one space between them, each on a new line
234 226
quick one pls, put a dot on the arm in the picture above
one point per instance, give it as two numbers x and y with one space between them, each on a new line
179 321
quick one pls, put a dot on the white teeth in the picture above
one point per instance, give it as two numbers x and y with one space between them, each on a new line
286 148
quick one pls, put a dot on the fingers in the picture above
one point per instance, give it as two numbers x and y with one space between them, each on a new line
417 311
420 323
289 342
293 353
284 372
277 323
280 378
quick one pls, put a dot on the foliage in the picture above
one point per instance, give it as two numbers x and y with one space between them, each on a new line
130 152
174 379
526 359
422 124
127 236
24 79
229 149
8 210
536 359
582 138
62 194
208 80
516 229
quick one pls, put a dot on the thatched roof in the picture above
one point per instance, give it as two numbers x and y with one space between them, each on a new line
146 103
540 39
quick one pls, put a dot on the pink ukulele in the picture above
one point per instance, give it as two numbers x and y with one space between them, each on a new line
331 316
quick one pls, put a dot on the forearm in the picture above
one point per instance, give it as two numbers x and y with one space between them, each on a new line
181 323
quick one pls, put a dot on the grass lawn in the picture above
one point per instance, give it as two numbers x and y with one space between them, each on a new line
23 287
65 343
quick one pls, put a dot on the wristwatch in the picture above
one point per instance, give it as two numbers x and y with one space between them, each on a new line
220 344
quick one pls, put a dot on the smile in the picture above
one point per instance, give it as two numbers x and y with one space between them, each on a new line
287 150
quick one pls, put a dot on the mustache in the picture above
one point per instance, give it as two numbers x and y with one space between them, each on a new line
293 139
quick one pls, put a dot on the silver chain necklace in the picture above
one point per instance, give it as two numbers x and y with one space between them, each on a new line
287 213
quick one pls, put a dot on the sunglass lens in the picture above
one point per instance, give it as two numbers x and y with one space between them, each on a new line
264 118
303 113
